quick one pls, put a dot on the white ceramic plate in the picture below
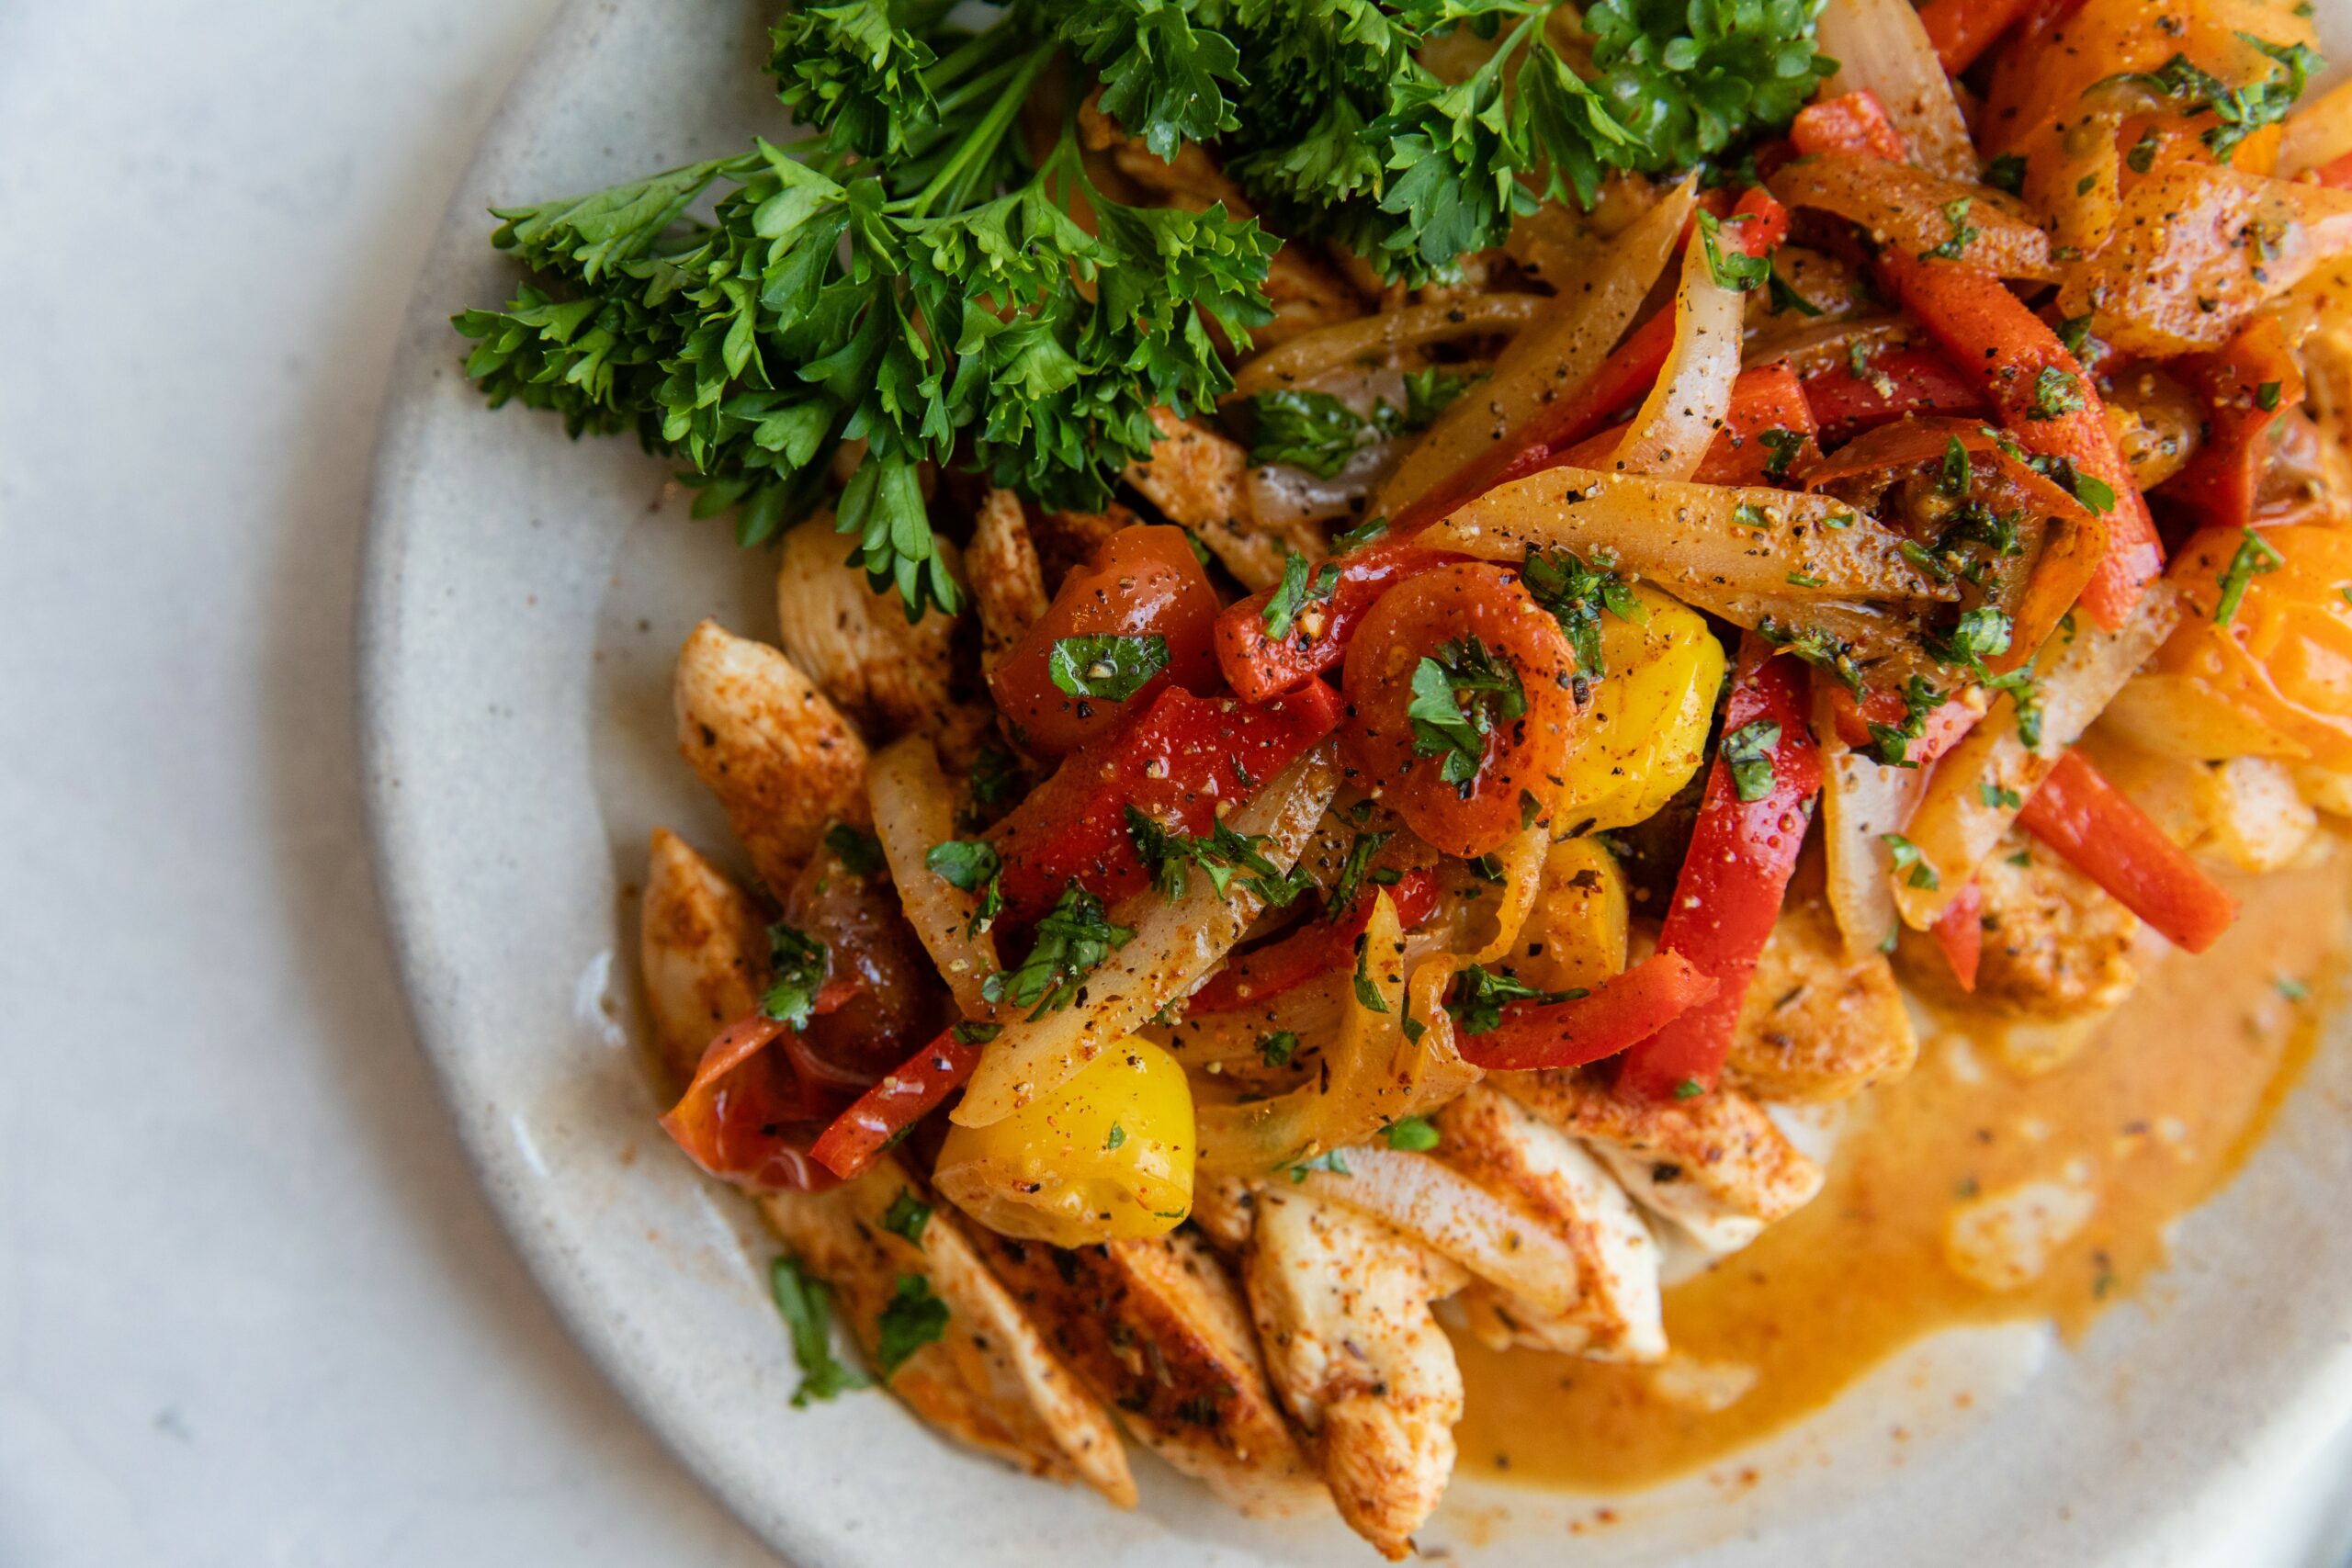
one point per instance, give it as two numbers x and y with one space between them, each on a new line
522 597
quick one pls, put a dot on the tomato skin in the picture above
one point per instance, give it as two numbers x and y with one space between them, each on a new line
882 987
1522 757
1142 580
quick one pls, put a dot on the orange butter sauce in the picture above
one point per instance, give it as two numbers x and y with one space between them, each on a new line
2152 1115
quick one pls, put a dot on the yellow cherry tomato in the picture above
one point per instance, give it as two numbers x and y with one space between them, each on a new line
1646 730
1109 1156
2283 657
1575 936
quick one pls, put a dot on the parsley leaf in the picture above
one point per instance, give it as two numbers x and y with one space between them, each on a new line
1441 727
1367 990
1955 247
806 1304
1107 668
965 864
1220 853
796 965
1576 593
2254 558
1327 1160
2056 393
1908 860
1783 445
1073 939
1478 995
1276 1050
1733 268
859 853
2006 173
2000 798
912 1319
1748 753
1415 1134
1351 873
906 1217
1314 431
1294 592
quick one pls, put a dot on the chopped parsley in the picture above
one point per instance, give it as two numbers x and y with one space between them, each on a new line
1826 652
906 1217
1414 1135
1220 853
2254 558
1115 1137
1442 726
2000 798
2006 173
1953 479
1278 1049
2056 393
1367 990
806 1304
1784 297
1908 861
1891 743
1733 267
1748 753
1295 592
2242 111
1956 246
859 853
2266 397
1352 871
796 965
967 864
1783 445
1360 536
1107 668
1073 939
913 1319
1577 593
1327 1160
1478 995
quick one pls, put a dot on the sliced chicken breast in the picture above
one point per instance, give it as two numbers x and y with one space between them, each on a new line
989 1382
1342 1307
888 675
702 948
1157 1331
1199 479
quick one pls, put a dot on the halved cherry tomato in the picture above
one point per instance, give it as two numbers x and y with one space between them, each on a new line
1619 1014
1315 948
1854 122
1419 626
749 1117
1260 666
1143 582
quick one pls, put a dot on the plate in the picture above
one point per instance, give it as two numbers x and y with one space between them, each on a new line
522 597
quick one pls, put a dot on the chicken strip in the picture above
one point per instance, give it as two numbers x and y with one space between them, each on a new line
1157 1331
989 1381
780 758
1008 586
2056 946
1199 479
1819 1025
702 948
1342 1307
1714 1165
1617 1315
888 676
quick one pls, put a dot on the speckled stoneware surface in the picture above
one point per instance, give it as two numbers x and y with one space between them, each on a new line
523 598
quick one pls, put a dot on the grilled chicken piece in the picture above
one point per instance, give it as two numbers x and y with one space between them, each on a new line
1225 1208
702 948
780 757
1817 1025
989 1382
1198 478
1714 1165
887 676
1489 1139
1343 1308
1008 586
1155 1329
1304 293
2056 945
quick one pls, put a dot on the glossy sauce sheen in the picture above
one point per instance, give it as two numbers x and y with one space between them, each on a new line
2154 1115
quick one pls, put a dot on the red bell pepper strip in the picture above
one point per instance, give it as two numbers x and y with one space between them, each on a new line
1854 122
2335 174
2044 401
1734 877
1961 31
2249 385
1960 931
1944 726
857 1137
1618 1015
1315 948
1175 762
748 1117
2098 831
1898 382
1260 666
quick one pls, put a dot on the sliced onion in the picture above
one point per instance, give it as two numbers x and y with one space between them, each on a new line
1704 544
1455 1217
1559 352
1966 808
1911 210
1310 355
1671 431
1373 1075
1175 943
1808 347
1280 494
913 809
1882 45
1862 801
